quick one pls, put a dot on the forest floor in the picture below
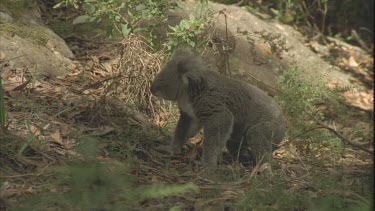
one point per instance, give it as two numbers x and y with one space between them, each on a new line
71 146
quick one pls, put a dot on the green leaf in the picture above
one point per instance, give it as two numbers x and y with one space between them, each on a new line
191 43
160 190
58 5
140 7
192 18
90 8
75 5
125 29
81 19
185 24
172 28
110 32
91 19
138 29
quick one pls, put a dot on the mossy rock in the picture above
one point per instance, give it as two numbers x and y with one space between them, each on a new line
32 32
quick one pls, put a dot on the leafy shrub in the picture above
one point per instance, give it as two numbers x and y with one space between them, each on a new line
125 16
189 31
278 192
299 100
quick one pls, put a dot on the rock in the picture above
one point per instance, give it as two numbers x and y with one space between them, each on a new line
32 45
260 66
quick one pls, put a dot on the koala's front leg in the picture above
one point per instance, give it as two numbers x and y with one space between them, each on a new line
217 130
186 128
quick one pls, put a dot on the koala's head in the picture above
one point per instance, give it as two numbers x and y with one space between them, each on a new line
178 73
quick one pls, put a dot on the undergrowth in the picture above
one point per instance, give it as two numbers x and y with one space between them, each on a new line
88 183
138 17
319 192
299 99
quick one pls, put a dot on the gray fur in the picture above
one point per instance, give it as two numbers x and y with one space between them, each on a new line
230 111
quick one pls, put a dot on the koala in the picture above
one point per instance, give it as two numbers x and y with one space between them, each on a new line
232 113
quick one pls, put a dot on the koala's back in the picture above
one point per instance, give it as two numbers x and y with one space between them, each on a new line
248 104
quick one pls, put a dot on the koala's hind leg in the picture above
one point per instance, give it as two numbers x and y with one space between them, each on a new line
186 128
260 139
217 130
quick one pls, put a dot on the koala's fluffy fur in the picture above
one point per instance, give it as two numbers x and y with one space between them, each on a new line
229 111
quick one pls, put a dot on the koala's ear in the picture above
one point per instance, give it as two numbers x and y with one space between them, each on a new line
195 83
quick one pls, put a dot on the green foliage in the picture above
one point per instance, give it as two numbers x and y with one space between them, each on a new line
266 193
125 17
278 192
304 95
298 100
75 3
160 190
188 31
333 18
289 11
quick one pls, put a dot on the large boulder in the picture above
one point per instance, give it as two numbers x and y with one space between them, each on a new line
26 43
255 62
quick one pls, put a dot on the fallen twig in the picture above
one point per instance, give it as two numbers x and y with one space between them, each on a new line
322 125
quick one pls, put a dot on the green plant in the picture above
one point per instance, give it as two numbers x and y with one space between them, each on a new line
125 17
188 31
280 191
74 3
299 100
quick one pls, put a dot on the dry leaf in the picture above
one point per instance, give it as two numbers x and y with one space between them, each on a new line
29 190
352 62
263 167
56 137
265 48
103 130
95 59
35 130
58 89
2 55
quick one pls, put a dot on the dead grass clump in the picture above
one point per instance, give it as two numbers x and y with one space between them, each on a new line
137 67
